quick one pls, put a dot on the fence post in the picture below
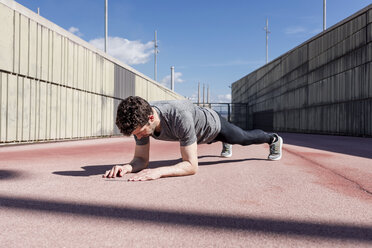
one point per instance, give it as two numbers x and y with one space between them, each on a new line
246 116
228 112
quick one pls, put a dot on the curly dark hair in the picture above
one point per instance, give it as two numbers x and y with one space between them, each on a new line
132 112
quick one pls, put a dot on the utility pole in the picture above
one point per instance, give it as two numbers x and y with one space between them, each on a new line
208 95
155 54
324 14
198 93
106 26
267 40
172 78
203 95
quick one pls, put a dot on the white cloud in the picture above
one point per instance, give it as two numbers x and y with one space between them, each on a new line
316 31
299 30
193 97
166 81
75 31
295 30
130 52
224 98
233 63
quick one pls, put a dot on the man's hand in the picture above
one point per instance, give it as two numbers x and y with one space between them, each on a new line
188 166
116 171
146 174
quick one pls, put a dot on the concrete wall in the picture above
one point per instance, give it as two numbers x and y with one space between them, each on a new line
322 86
54 86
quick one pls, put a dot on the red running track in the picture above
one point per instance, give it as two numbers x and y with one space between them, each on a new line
318 195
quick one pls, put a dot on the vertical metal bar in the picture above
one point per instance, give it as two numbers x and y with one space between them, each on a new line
172 78
324 14
155 56
228 112
203 95
267 40
198 93
246 116
208 95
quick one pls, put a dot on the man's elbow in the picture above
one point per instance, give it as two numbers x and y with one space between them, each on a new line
194 168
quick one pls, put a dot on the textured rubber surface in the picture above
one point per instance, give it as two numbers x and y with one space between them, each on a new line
53 195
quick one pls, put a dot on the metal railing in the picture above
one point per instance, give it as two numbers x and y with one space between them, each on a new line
236 113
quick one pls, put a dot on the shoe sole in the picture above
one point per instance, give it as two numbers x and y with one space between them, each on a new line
280 149
227 156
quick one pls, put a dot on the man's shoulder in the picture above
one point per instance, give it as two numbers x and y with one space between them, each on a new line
173 105
171 102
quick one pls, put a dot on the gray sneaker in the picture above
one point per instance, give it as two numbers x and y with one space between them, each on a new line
276 148
226 150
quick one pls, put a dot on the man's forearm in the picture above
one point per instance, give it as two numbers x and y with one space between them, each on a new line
183 168
136 165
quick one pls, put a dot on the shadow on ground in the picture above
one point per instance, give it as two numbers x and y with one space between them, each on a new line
355 146
9 174
93 170
228 222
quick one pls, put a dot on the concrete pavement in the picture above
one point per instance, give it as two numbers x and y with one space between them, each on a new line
318 195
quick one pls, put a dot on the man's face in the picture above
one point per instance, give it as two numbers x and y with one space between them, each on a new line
141 132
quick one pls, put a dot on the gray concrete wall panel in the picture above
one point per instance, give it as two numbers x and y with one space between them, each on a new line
3 106
42 115
57 58
16 47
44 49
368 86
56 86
321 86
368 118
52 112
26 110
32 61
6 41
12 108
23 50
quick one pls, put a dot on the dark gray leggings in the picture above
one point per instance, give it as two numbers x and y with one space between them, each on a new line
235 135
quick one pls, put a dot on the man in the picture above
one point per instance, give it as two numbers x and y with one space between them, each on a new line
182 121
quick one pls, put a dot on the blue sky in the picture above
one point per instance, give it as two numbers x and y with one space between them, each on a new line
211 42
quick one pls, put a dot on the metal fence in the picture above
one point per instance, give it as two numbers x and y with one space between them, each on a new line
236 113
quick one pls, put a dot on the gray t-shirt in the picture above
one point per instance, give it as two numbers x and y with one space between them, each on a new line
182 121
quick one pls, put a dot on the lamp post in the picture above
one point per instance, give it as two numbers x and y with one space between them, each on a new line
324 14
155 54
172 78
266 28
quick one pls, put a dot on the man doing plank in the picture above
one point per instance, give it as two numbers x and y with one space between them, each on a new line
181 121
